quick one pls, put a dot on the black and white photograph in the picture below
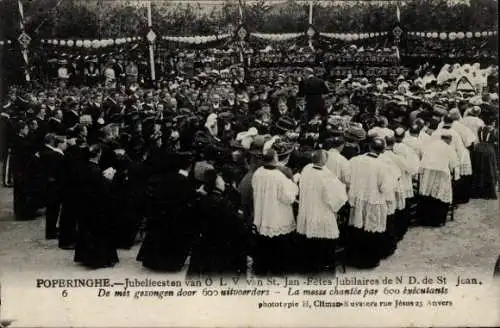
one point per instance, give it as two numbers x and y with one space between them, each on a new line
231 148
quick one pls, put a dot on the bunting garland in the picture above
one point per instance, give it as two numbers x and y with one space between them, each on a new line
196 39
90 43
453 35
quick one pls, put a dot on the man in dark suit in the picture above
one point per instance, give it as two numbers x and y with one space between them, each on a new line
52 160
169 229
312 88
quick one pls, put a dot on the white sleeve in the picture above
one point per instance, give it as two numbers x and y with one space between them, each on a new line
288 191
334 193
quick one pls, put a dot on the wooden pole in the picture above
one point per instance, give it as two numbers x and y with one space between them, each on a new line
151 49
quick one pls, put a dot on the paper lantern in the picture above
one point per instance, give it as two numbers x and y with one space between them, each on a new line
442 36
477 34
129 39
468 35
79 43
435 35
9 42
484 34
460 35
70 43
355 37
87 43
452 36
429 35
62 42
1 43
348 37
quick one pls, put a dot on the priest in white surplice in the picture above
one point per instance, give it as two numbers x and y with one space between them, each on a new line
337 163
371 193
321 196
438 167
461 188
273 196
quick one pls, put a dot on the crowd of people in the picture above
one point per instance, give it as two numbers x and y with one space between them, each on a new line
223 169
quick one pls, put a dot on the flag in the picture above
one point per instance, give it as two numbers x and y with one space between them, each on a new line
240 11
398 13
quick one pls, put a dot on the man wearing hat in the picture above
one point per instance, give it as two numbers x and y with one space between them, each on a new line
91 72
321 197
273 195
354 135
170 218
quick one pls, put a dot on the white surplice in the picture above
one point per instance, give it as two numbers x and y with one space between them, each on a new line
439 161
370 193
321 196
273 196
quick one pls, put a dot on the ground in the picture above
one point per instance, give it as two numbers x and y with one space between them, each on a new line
469 243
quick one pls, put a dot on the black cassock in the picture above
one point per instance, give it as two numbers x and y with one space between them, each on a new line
73 168
169 228
221 244
22 159
95 246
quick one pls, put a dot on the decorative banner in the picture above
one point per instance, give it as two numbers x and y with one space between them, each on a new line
355 57
367 71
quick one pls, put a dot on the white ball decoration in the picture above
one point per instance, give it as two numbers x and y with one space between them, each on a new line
70 43
484 34
453 36
460 35
477 34
435 35
429 34
468 35
129 39
62 42
443 36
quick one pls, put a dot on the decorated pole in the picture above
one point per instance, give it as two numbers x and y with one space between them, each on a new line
151 37
240 23
311 31
24 40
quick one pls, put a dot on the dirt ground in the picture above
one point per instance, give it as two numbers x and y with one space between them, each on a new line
469 243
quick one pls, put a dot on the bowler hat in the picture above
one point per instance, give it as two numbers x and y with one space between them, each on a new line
355 133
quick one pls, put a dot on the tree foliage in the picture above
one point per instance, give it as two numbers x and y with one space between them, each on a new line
109 19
